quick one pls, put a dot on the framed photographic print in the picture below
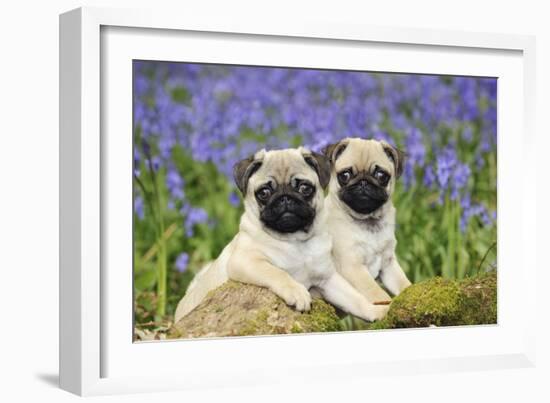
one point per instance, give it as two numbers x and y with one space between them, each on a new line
240 195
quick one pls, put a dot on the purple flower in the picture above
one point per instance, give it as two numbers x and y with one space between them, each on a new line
445 164
196 215
383 136
471 210
155 163
146 148
429 176
223 113
234 199
139 208
416 154
193 216
461 175
416 151
175 184
181 262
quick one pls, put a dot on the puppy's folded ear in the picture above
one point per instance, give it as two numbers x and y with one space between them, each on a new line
320 165
333 151
396 156
243 170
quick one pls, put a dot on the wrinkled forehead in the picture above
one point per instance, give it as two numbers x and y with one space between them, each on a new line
282 167
363 155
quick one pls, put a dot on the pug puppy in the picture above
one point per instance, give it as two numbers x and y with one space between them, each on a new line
283 242
362 216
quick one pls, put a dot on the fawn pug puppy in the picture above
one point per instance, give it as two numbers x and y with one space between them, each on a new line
362 217
283 241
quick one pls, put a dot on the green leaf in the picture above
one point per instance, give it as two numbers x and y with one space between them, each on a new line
145 280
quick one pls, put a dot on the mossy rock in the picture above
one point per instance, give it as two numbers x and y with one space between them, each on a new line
236 309
442 302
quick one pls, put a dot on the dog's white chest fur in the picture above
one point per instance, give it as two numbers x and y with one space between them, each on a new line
308 262
375 246
370 242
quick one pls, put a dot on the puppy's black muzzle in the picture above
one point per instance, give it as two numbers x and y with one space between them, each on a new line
363 196
287 214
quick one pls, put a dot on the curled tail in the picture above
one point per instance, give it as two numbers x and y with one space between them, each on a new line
208 278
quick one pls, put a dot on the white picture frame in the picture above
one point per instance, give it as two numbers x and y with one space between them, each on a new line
95 342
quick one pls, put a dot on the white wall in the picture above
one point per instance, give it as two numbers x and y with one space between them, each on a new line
29 187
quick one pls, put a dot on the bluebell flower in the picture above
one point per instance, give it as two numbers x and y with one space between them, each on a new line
156 163
146 148
461 174
182 262
383 136
429 177
471 210
139 207
445 163
234 199
193 216
175 184
317 107
416 154
197 215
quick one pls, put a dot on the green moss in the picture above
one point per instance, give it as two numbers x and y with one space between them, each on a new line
480 296
321 318
296 328
257 325
435 302
441 302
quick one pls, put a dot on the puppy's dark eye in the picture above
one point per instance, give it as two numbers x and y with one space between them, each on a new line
344 177
305 189
381 176
263 193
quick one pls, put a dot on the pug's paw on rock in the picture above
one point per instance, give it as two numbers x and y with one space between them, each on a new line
296 295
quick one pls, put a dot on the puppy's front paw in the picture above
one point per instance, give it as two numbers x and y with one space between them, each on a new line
378 295
295 294
376 312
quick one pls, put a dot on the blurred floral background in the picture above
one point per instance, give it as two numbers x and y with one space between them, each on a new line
192 122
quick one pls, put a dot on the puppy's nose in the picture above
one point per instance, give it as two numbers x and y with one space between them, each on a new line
285 201
363 183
